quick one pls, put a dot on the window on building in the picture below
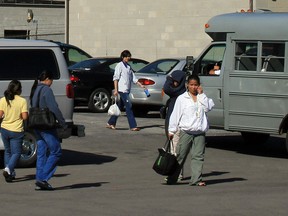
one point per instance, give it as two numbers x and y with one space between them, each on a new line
33 2
19 34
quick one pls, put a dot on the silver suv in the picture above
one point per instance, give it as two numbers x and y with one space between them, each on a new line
24 60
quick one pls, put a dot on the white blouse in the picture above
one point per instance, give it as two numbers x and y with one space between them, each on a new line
125 76
190 116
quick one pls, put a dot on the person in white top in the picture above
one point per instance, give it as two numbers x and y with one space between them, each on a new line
123 79
189 116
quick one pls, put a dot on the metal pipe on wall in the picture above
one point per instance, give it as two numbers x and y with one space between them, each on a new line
251 5
67 21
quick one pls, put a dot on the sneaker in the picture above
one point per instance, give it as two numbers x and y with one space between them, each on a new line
180 178
38 188
43 185
7 170
13 175
7 176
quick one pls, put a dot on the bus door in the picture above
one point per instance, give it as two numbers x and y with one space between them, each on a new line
208 66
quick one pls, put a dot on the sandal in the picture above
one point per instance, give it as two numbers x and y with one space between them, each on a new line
110 126
201 184
135 129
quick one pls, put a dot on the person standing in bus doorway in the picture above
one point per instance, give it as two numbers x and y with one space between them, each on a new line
189 116
13 112
123 79
48 144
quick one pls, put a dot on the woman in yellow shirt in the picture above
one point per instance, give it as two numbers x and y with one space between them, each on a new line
13 110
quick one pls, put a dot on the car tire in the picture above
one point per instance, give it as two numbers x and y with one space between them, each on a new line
29 151
99 101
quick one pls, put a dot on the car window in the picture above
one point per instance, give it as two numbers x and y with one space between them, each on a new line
27 64
137 65
112 67
163 66
75 55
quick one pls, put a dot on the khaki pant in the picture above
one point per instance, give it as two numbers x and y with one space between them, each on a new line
196 145
174 143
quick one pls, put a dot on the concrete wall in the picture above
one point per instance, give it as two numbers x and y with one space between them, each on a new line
276 6
51 22
149 29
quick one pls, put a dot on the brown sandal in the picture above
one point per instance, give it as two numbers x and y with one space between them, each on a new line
135 129
110 126
201 184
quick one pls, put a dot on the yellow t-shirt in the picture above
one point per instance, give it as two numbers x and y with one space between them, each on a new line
12 120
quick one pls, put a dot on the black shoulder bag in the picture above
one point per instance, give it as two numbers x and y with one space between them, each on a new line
41 118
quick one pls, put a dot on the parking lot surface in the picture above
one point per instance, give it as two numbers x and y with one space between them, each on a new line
109 172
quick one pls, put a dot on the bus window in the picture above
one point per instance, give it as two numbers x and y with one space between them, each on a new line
246 56
272 57
212 56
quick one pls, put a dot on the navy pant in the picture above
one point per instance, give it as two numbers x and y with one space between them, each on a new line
46 164
124 101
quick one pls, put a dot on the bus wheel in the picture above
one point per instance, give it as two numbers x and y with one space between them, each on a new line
255 138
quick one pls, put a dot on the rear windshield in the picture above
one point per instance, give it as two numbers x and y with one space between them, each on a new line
27 64
163 66
90 63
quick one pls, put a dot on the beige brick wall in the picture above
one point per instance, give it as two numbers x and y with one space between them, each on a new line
276 6
149 29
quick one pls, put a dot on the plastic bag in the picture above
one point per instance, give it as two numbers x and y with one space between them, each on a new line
114 110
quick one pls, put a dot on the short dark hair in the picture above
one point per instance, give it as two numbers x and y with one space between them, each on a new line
125 53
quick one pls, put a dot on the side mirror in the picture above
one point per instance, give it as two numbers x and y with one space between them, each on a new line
190 64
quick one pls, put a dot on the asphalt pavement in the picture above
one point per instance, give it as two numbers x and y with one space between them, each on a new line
109 172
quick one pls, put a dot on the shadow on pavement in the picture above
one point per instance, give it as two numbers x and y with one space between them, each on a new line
152 126
214 181
274 147
225 180
32 177
70 157
81 185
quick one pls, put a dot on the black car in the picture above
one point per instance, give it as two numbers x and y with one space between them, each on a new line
92 80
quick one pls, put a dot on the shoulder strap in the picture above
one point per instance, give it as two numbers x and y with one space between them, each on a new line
38 97
167 145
